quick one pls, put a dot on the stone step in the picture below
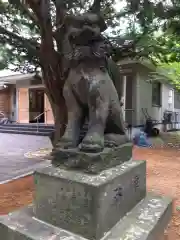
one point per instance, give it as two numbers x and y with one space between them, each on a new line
146 221
31 129
27 129
28 125
20 128
25 132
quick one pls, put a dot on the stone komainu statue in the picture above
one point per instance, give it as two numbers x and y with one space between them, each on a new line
89 90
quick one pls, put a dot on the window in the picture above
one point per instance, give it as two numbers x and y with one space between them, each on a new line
156 93
170 98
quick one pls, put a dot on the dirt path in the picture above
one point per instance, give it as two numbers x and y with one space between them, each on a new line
163 177
16 194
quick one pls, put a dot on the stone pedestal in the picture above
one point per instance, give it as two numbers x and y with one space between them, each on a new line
111 204
88 205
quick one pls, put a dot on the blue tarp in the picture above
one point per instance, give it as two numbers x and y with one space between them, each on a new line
141 140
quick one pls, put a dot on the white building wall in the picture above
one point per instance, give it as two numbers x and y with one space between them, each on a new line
145 99
165 97
143 95
137 100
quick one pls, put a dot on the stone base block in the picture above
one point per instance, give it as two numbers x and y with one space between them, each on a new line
146 221
85 204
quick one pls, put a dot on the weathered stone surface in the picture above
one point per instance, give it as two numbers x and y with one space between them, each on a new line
146 221
92 162
112 140
22 225
89 205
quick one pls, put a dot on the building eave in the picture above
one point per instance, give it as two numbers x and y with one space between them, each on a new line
12 79
150 66
145 63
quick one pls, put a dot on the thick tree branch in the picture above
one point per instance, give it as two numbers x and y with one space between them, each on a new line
42 11
30 15
60 11
35 6
96 6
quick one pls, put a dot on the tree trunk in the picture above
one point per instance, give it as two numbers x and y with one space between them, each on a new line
58 107
53 76
60 118
54 82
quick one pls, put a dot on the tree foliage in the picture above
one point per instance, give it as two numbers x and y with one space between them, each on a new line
173 72
21 29
141 29
163 19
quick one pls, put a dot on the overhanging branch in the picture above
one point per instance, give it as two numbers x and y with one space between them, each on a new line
42 11
35 6
24 8
30 45
60 11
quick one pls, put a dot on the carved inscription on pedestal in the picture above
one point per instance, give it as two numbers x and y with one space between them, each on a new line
136 182
118 194
75 204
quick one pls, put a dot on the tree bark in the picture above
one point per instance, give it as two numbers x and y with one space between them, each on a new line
60 118
54 88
